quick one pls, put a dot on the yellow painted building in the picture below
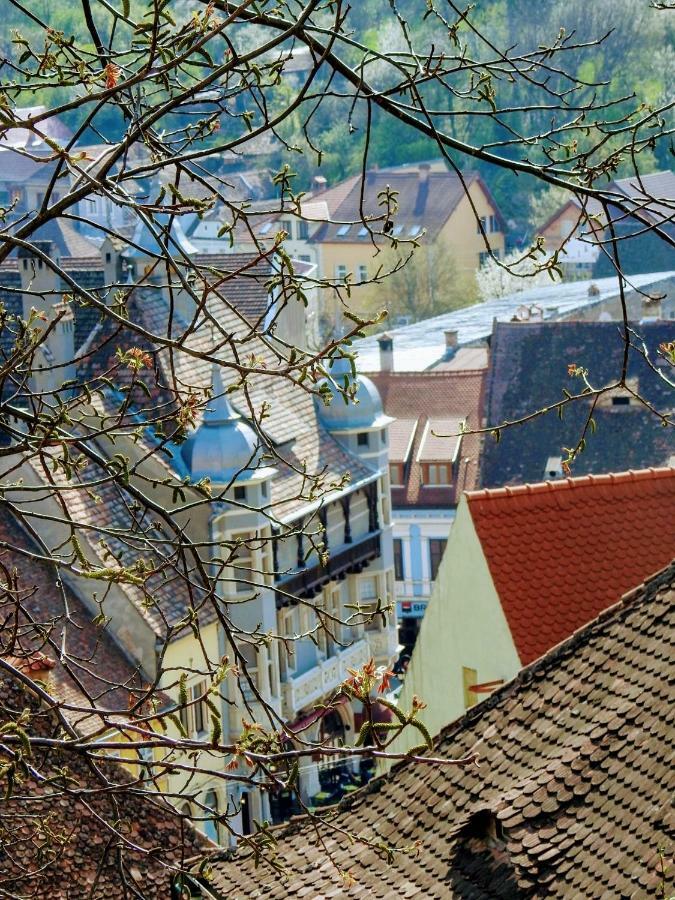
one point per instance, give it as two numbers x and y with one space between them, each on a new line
430 205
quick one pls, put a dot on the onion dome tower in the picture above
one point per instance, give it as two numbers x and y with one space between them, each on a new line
360 425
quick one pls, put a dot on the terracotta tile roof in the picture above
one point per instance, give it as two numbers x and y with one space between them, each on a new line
54 844
528 371
434 395
425 203
441 439
401 433
561 552
571 799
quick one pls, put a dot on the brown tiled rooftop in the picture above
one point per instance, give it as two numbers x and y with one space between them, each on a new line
571 799
437 401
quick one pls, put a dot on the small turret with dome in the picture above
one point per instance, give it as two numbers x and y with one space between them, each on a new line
358 423
224 448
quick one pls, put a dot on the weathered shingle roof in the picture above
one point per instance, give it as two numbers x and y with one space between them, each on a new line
561 552
571 798
528 371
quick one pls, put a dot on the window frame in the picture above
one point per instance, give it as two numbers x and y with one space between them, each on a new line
432 474
436 558
399 562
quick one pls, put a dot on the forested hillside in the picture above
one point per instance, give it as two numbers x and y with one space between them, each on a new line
635 63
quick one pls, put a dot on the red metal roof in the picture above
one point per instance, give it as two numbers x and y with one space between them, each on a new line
561 552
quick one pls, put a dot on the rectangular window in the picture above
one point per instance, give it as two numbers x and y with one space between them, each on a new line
199 718
332 632
483 223
396 474
437 474
398 559
469 680
494 224
303 230
363 439
368 594
343 230
287 226
340 272
363 273
240 492
368 588
436 549
242 564
286 648
250 655
483 257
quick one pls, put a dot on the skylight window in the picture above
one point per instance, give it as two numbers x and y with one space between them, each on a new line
264 229
415 230
343 230
363 231
397 230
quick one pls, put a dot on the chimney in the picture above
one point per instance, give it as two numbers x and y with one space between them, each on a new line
651 305
451 339
386 344
319 183
423 172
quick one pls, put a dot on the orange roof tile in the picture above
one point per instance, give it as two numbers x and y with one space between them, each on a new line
561 552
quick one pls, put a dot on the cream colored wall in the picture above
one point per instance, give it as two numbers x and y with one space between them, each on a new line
460 232
464 625
185 655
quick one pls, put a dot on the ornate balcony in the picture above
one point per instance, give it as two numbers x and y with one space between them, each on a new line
383 645
309 581
322 679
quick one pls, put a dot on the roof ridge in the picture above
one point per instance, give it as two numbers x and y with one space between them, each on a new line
426 373
630 476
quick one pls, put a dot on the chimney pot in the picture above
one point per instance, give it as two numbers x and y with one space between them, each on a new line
451 338
423 172
386 345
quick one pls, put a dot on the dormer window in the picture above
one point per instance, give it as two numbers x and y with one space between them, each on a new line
396 478
266 228
363 439
415 230
437 474
621 398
